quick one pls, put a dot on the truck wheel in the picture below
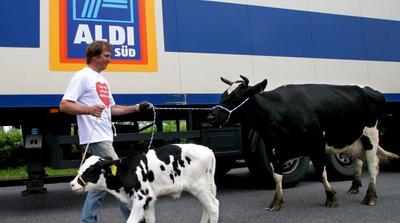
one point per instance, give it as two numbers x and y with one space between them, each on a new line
224 165
339 166
259 165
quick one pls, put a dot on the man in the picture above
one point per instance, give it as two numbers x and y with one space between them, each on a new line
89 97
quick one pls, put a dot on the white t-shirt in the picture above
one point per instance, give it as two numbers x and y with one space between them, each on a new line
87 87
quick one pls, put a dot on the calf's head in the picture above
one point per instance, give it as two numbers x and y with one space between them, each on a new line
233 100
91 174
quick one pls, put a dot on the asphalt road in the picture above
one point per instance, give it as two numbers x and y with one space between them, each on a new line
241 200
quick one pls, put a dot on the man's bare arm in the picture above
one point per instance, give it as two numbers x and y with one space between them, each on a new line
74 108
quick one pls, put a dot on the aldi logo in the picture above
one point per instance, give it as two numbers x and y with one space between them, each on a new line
128 25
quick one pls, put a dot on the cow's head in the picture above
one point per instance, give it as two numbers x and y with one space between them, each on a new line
233 100
92 173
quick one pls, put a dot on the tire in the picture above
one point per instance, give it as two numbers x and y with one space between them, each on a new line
224 165
339 166
260 168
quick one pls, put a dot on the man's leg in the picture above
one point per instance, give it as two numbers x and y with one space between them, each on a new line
106 150
91 207
125 209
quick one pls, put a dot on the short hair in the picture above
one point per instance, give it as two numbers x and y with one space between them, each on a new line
96 48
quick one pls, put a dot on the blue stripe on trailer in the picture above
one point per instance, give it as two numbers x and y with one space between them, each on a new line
226 28
53 100
20 23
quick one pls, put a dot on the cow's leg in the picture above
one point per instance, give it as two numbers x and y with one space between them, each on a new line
276 204
331 200
370 143
356 184
320 170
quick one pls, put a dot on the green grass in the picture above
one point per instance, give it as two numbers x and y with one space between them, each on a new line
20 173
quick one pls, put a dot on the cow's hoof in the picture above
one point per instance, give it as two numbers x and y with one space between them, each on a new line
274 206
353 190
370 201
332 203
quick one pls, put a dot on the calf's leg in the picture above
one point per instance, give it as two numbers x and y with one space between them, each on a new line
204 191
149 213
142 210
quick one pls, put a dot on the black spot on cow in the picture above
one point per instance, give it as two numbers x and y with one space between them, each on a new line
163 153
130 193
150 176
147 174
172 178
92 174
366 142
162 168
176 167
140 197
181 163
144 191
146 205
188 160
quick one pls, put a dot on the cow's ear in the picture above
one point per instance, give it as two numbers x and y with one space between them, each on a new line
245 79
226 81
259 87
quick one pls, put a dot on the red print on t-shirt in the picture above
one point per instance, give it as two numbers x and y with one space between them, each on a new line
104 93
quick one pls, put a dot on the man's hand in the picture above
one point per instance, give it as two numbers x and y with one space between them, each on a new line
96 110
144 106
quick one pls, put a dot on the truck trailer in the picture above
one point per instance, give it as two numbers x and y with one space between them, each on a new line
172 53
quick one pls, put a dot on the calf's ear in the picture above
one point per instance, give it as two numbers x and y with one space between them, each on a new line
259 87
110 166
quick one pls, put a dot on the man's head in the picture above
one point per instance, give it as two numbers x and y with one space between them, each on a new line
98 55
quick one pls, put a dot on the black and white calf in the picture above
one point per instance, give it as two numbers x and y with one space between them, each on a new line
142 177
309 120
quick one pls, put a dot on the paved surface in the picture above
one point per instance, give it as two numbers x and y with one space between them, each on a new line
241 201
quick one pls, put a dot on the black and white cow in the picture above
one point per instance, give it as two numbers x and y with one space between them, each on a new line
309 120
140 178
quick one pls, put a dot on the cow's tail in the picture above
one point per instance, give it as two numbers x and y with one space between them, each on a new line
389 155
